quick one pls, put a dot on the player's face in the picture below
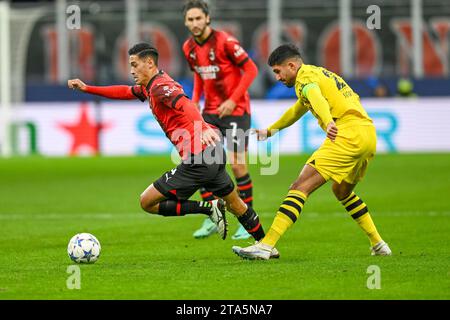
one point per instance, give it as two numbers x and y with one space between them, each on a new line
196 21
285 73
140 69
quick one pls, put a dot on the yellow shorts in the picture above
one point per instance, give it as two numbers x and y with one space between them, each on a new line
346 158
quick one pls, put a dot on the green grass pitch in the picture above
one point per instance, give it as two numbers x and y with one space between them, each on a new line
44 202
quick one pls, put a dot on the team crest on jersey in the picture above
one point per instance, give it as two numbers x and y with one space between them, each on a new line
212 55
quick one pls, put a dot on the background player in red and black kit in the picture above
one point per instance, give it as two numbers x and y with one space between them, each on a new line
196 142
223 71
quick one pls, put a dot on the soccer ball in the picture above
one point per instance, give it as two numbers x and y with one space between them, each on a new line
84 248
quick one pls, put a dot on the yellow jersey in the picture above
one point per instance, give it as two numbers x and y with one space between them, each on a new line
340 99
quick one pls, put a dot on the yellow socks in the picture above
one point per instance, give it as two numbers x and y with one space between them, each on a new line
287 214
359 212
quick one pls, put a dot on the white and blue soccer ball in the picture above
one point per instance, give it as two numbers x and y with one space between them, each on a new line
84 248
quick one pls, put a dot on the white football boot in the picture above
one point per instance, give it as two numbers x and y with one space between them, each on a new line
218 217
258 251
381 249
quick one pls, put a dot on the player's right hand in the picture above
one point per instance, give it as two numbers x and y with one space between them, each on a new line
76 84
332 131
209 137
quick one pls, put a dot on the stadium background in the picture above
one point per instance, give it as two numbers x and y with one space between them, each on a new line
107 152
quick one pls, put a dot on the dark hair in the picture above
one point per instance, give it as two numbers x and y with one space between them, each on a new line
143 50
199 4
282 53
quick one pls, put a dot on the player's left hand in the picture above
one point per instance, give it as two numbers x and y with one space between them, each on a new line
332 131
226 108
209 136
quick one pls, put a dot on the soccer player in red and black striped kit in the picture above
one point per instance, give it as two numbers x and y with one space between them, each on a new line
203 161
223 72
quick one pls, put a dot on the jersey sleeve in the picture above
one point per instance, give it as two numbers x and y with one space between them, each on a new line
290 116
235 52
139 92
168 94
307 79
318 102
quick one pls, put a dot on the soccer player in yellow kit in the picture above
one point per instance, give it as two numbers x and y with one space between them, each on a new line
343 156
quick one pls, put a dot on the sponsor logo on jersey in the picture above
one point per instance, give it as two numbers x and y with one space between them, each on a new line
207 72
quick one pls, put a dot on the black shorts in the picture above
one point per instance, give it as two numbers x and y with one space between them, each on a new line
233 128
197 171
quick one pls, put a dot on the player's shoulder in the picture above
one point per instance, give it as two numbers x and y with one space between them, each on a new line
225 37
189 45
309 73
163 84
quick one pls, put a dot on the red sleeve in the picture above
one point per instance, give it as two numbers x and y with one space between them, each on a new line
187 53
168 93
235 52
118 92
198 88
250 72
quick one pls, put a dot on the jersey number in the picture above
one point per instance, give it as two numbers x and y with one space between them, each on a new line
339 82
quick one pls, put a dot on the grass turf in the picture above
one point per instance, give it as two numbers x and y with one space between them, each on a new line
44 202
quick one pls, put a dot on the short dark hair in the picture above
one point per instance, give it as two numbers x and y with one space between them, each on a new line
282 53
199 4
144 50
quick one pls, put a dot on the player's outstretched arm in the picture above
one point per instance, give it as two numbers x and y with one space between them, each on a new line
121 92
291 116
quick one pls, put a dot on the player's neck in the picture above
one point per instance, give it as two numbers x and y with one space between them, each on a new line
152 74
204 36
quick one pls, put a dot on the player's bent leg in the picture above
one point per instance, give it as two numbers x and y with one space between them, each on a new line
245 187
288 213
308 181
292 206
150 199
247 217
358 210
154 201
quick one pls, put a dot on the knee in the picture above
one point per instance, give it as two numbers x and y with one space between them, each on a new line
340 193
296 185
143 202
146 205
